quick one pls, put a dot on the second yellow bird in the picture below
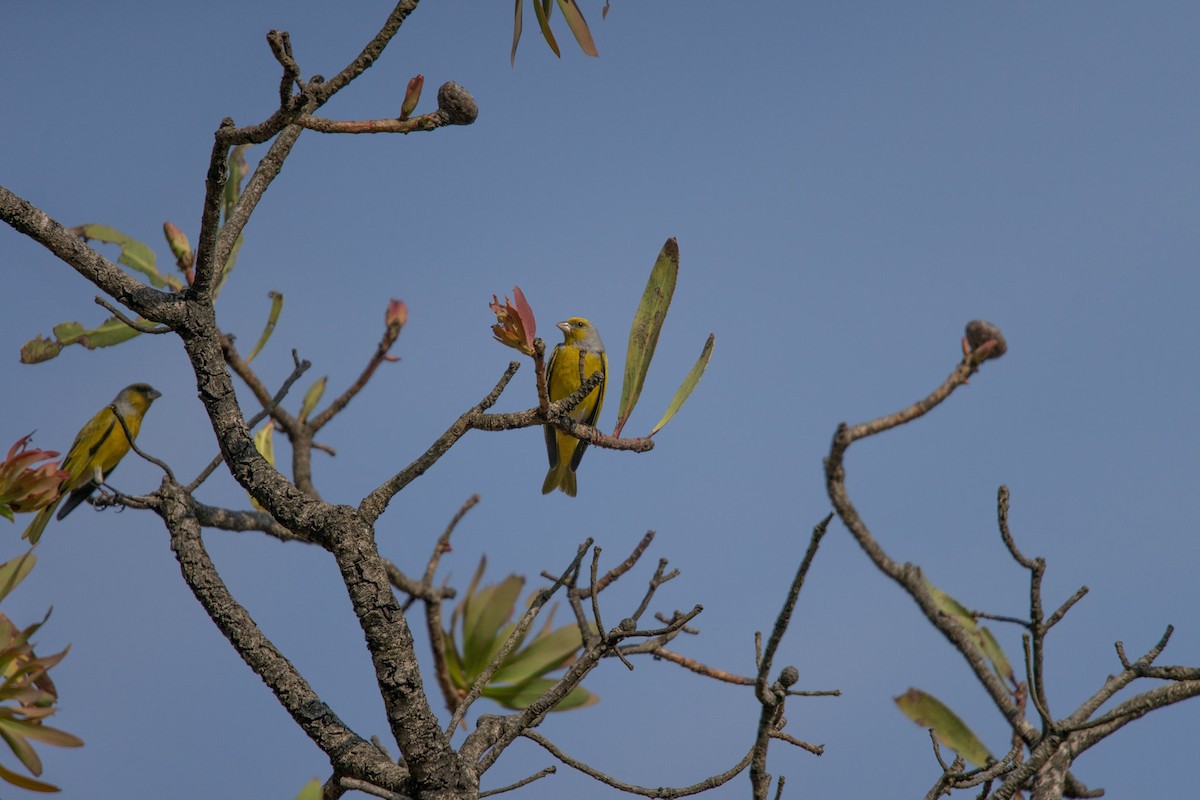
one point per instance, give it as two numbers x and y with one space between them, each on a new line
98 448
574 361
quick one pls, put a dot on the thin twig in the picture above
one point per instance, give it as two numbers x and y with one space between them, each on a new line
433 608
550 770
133 445
664 792
141 327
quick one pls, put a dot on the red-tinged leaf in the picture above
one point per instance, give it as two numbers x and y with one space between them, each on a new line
180 247
579 27
24 782
528 323
515 325
412 96
52 736
543 17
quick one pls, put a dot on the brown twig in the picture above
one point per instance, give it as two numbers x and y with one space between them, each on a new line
663 792
141 327
550 770
390 334
433 608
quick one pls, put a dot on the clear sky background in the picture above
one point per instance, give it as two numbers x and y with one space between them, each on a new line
849 183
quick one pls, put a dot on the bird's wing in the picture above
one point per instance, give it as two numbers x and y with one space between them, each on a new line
551 439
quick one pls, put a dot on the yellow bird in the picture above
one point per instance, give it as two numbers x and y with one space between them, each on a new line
574 361
99 447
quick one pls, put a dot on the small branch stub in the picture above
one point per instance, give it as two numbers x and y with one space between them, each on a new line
983 340
455 104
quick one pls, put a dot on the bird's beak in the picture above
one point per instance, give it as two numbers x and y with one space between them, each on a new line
564 326
154 394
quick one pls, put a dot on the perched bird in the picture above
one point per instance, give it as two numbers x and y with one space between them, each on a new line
99 447
574 361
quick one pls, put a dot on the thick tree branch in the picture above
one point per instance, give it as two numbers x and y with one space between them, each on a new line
161 307
348 753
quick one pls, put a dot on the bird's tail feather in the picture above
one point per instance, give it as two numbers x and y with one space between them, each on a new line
34 531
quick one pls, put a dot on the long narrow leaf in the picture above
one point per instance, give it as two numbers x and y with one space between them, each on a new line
490 608
272 318
518 697
312 397
542 655
578 26
689 383
512 59
12 572
543 17
929 712
23 782
20 746
134 254
647 324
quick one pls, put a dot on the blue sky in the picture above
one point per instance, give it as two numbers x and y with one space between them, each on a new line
849 184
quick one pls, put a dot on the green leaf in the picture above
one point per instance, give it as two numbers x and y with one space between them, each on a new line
110 332
519 697
984 639
134 254
454 663
311 791
272 318
1000 662
512 59
543 18
578 26
233 192
647 324
312 397
48 735
689 383
486 613
929 712
544 654
12 572
264 442
233 184
20 746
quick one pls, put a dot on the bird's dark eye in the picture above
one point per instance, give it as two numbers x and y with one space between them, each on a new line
578 324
